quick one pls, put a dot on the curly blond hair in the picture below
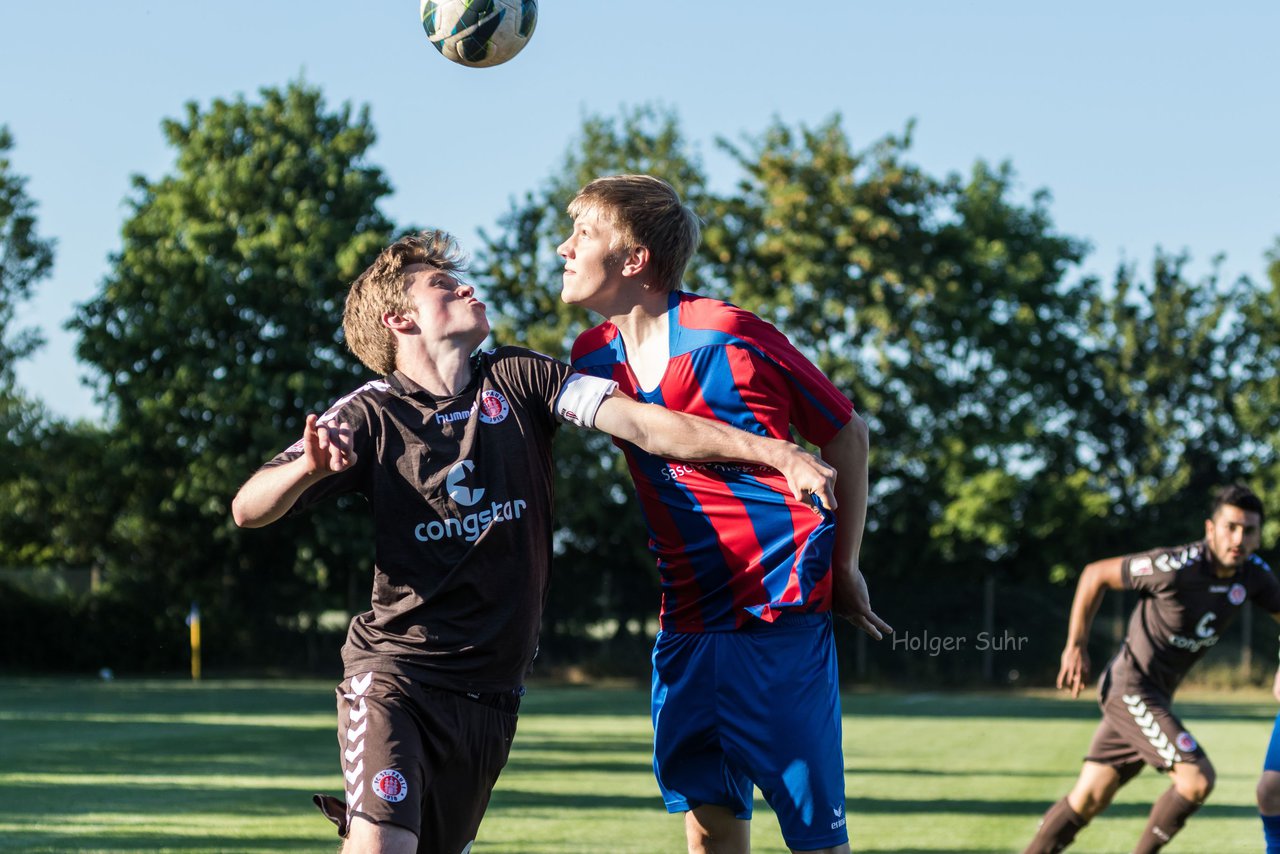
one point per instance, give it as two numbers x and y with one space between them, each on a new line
381 289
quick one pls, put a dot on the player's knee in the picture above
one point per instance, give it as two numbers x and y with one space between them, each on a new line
1269 793
1093 791
1195 782
1088 804
715 830
366 837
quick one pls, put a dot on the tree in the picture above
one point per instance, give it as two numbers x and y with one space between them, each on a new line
1166 366
214 334
25 259
939 306
1254 351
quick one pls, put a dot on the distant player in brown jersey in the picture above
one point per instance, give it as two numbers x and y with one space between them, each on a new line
452 449
1189 595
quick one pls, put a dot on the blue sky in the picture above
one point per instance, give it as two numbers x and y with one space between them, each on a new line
1147 121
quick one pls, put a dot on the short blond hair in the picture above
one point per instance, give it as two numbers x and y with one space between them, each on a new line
645 211
382 289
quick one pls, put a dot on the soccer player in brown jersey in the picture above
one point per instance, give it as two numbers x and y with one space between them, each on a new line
452 448
1188 595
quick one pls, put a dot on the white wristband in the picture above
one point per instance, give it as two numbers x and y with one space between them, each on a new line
580 399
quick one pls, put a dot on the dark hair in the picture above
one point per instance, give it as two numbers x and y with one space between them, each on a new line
1237 495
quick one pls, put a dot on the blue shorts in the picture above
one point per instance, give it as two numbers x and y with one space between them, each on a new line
758 706
1272 762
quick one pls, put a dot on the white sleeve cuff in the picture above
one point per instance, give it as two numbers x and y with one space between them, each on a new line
580 399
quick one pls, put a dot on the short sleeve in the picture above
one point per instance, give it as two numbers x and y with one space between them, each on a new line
539 379
1138 572
1158 568
1266 592
355 410
818 409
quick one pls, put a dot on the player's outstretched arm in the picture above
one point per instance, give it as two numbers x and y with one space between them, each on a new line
848 452
1073 672
269 494
679 436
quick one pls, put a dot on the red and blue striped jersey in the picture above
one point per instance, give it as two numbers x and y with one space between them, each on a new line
732 544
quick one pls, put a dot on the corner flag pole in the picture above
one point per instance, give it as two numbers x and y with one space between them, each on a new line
193 620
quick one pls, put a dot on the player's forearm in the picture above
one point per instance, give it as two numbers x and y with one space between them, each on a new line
271 493
848 453
675 435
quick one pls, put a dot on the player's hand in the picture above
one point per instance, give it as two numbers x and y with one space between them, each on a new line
850 599
327 447
1074 672
811 480
1275 685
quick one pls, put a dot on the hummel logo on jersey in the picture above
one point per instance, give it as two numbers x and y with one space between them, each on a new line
1170 562
1150 728
460 415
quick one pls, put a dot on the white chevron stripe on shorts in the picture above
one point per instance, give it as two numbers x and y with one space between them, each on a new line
355 739
1151 728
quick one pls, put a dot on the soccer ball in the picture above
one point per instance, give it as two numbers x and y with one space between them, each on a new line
479 33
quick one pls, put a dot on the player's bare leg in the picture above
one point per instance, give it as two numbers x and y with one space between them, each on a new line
1269 808
1269 793
365 837
838 849
1094 789
1192 783
715 830
1092 793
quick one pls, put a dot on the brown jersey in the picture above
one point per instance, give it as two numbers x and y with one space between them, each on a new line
1183 610
461 492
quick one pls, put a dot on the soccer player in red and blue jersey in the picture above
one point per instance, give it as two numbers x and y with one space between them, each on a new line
1269 784
745 688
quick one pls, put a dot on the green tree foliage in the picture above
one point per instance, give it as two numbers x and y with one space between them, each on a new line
25 259
939 306
1253 369
1163 427
214 334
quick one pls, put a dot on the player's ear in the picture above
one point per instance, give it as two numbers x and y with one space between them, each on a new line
398 322
636 262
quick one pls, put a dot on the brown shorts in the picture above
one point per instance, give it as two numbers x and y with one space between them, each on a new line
422 758
1137 726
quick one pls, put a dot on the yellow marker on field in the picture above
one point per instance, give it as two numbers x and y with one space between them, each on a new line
193 620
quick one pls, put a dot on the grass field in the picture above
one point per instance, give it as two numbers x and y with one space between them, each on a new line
230 766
